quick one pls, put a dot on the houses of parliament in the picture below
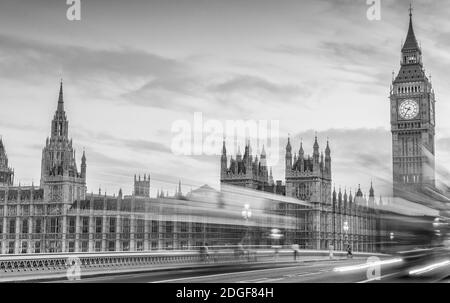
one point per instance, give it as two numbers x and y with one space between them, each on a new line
58 215
308 178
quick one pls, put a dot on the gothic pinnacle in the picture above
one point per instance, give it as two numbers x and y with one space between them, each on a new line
61 98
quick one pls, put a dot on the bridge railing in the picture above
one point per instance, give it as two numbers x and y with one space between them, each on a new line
28 266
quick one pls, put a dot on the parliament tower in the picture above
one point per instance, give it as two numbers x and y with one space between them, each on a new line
412 103
60 178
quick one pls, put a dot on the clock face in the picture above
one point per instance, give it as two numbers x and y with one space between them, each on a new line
408 109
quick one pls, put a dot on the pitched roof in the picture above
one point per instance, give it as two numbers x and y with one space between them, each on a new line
411 41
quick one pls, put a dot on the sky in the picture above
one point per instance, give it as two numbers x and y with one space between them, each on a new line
131 69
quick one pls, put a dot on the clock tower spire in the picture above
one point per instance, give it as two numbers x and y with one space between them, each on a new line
412 106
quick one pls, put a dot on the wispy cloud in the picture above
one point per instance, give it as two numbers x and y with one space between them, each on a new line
23 58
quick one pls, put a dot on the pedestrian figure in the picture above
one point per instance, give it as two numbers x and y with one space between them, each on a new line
349 251
295 249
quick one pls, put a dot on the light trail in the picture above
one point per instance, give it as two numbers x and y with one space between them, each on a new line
366 265
428 268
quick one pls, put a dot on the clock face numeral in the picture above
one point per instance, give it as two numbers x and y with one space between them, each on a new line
408 109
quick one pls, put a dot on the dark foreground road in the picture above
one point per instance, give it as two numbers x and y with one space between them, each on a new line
390 269
239 273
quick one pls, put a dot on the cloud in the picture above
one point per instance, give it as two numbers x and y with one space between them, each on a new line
247 83
350 52
246 93
137 145
233 93
172 93
22 58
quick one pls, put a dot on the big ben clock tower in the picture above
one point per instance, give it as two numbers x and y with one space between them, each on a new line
412 121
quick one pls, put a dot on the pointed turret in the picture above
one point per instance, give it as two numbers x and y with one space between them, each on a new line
327 169
345 199
411 41
239 155
371 200
288 155
60 98
3 155
301 152
223 160
288 146
6 173
263 157
334 195
411 56
60 124
359 200
224 150
340 198
327 150
316 144
359 192
316 152
83 165
249 150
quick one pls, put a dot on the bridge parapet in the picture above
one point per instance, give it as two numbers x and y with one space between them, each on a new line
54 265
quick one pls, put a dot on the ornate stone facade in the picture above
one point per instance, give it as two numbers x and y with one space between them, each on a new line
308 178
412 104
